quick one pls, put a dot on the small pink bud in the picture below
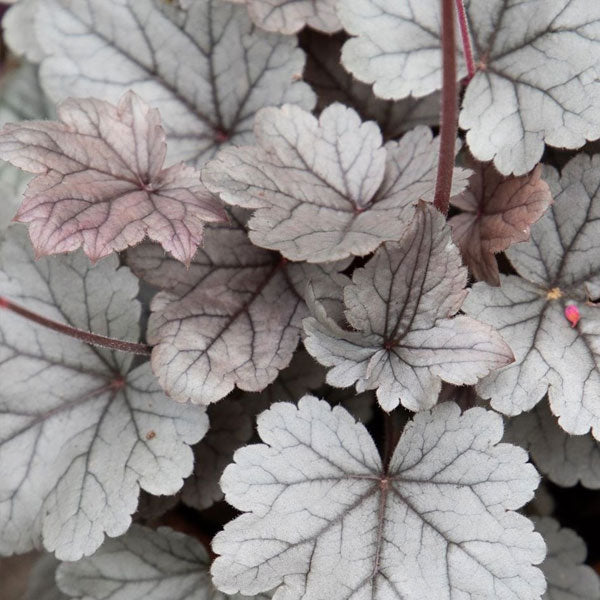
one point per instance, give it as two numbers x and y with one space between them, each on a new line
572 314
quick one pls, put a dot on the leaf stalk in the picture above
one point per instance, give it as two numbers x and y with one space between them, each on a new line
466 39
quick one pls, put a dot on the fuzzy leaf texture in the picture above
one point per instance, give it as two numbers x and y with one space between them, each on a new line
537 78
208 70
290 16
326 189
232 319
496 212
144 565
556 267
403 340
100 182
568 578
81 430
565 459
324 519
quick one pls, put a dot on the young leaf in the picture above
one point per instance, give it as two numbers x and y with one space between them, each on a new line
230 428
497 212
326 189
207 70
552 356
81 430
536 81
565 459
323 519
333 83
290 16
232 319
42 580
568 578
154 565
101 183
400 306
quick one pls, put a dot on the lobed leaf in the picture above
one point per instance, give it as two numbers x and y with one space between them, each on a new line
565 459
208 70
568 578
154 565
100 182
324 519
326 189
558 263
82 430
496 212
537 72
403 340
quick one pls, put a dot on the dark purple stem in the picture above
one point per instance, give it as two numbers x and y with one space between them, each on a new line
84 336
449 116
466 39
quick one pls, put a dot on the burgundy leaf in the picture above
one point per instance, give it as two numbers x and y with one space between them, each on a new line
497 212
101 183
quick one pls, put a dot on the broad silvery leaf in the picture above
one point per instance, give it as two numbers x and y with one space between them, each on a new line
536 80
403 340
41 584
568 578
333 83
154 565
231 426
20 98
290 16
324 519
552 355
326 189
565 459
496 212
100 182
208 70
232 319
81 431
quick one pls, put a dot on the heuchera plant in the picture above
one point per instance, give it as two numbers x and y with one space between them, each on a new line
290 297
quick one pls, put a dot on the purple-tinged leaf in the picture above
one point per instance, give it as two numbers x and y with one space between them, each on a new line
326 189
324 519
208 70
100 182
404 341
232 319
558 263
496 212
81 430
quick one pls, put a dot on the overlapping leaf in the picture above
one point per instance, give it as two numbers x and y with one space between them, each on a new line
100 182
323 519
326 189
232 319
208 70
568 578
497 212
154 565
289 16
404 340
556 265
81 431
537 79
565 459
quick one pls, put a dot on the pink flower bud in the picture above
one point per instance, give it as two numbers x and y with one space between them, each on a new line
572 314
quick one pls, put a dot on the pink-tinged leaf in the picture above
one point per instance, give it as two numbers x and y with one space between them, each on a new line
497 212
101 183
